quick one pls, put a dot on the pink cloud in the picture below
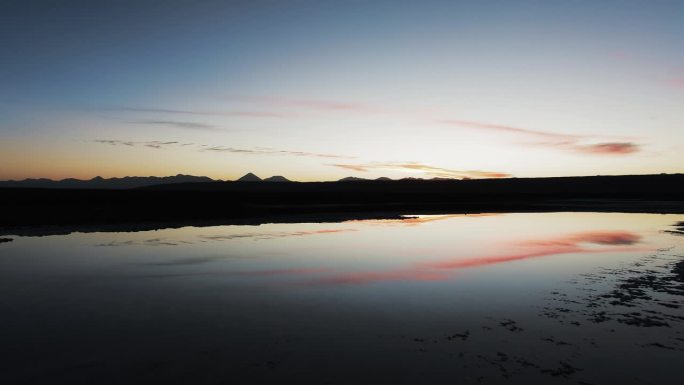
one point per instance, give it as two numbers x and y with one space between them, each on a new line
569 142
509 129
607 148
353 167
427 169
563 141
610 148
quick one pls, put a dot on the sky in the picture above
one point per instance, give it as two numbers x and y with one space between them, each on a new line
320 90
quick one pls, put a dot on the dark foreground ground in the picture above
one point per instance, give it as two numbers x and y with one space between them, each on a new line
58 210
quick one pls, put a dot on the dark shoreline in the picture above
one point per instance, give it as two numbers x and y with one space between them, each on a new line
54 223
26 211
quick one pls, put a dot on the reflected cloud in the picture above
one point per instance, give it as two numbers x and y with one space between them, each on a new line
614 238
223 237
246 273
145 242
608 242
419 220
365 277
188 261
273 235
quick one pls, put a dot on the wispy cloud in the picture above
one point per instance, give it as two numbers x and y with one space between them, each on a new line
234 113
605 148
420 167
273 106
587 144
159 145
508 129
156 144
615 148
353 167
309 104
176 124
262 151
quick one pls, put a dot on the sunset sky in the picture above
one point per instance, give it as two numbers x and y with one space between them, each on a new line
319 90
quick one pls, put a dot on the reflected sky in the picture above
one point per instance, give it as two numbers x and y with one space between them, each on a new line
439 294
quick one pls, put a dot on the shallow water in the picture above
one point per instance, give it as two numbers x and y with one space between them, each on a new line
500 298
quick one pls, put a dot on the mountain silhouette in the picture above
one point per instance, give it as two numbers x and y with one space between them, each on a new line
181 204
105 183
383 178
249 177
351 179
276 178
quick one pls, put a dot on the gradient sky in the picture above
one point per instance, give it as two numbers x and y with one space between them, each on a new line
319 90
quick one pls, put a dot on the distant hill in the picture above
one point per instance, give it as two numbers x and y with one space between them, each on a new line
276 178
351 179
249 177
105 183
184 204
212 203
354 179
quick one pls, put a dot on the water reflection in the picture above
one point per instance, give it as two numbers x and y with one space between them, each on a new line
434 271
257 236
500 299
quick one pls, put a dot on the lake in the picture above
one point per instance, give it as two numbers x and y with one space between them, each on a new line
567 298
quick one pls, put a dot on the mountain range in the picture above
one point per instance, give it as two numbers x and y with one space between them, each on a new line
105 183
144 181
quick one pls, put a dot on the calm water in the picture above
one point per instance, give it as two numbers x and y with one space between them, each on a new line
509 298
